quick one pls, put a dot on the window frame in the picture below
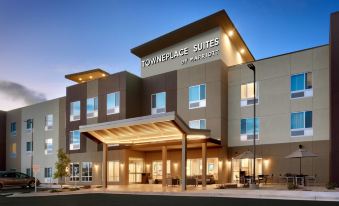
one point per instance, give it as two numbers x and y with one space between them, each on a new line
244 136
48 172
308 92
30 149
87 176
71 137
196 120
48 146
116 107
13 129
244 101
72 116
307 130
48 121
155 109
201 101
95 107
73 176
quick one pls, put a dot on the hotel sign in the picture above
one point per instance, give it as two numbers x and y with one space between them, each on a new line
199 52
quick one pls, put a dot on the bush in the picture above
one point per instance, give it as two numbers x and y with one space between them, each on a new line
98 186
55 190
292 186
74 189
87 187
226 186
331 185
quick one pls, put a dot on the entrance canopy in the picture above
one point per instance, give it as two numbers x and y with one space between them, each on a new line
146 129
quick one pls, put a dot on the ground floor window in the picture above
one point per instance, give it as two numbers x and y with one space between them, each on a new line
244 167
86 174
157 169
113 171
136 168
194 167
48 172
74 171
29 171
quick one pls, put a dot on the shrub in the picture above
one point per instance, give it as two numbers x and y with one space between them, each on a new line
87 186
74 189
331 185
55 190
292 186
98 186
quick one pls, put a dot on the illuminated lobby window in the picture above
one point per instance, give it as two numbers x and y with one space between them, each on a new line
74 170
86 171
113 171
157 169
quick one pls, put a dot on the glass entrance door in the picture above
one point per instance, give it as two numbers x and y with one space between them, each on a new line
136 168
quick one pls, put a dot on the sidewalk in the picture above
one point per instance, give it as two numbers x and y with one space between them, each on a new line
209 192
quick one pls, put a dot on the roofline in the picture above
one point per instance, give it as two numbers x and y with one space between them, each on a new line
217 19
288 53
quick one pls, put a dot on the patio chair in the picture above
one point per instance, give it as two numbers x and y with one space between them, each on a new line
311 180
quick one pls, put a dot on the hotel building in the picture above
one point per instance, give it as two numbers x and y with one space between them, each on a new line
189 115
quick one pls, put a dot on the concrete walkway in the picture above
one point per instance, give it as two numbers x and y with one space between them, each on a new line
210 191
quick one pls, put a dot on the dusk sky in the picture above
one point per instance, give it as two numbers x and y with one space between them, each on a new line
42 40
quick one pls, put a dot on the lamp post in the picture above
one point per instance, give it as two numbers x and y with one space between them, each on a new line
252 67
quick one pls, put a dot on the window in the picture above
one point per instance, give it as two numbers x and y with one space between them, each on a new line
86 175
197 96
48 146
159 103
74 171
301 85
113 103
29 124
194 167
92 107
247 129
13 150
197 124
301 123
13 128
113 171
247 94
74 140
49 122
29 172
29 147
48 172
75 111
157 169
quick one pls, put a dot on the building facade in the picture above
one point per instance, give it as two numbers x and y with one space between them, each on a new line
190 114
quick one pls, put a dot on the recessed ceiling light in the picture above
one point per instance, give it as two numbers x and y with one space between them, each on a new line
90 77
242 51
80 79
103 75
230 33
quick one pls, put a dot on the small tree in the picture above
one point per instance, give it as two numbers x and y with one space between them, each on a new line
61 166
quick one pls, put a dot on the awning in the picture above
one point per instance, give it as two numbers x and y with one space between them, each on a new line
146 129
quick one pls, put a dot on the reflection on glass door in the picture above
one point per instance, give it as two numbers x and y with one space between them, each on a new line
136 168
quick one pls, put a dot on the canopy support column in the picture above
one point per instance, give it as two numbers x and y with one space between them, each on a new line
183 162
104 165
204 163
164 165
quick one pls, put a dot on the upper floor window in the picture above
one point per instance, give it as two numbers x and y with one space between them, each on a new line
29 147
247 94
301 123
301 85
197 96
13 128
197 124
113 103
86 173
48 146
247 129
29 124
159 103
13 150
92 107
74 140
49 122
75 111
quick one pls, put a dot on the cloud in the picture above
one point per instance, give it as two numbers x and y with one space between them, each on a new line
18 92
